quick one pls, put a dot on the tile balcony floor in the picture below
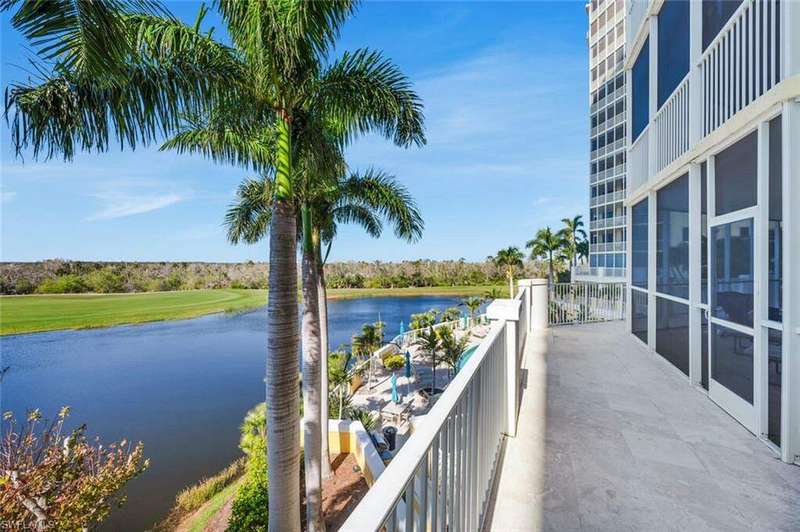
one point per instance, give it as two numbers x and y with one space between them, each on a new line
613 438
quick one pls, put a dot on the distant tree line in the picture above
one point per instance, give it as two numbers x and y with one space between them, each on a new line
59 276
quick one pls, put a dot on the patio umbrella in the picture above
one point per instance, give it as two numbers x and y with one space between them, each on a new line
395 395
408 372
402 332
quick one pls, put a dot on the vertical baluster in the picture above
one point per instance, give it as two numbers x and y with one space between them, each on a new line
452 436
409 499
423 480
774 41
391 522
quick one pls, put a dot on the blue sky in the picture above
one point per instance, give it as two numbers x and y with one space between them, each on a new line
505 91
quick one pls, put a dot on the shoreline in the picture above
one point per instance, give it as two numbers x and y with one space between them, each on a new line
38 313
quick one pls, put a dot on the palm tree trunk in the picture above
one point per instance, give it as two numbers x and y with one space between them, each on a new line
283 436
550 267
322 294
312 445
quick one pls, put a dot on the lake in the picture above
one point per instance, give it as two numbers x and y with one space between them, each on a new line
181 387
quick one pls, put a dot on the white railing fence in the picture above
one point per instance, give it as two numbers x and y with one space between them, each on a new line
639 161
672 127
442 477
742 62
574 303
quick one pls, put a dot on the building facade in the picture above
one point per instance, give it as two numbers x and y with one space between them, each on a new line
713 202
607 114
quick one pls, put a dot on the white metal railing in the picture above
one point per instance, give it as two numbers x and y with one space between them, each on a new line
639 161
442 477
742 62
672 127
572 303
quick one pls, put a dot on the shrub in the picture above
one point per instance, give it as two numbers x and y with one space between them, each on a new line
249 509
61 482
194 496
394 362
105 281
367 418
63 284
423 320
450 314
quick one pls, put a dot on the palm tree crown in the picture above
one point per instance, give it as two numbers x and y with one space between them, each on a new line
508 259
545 244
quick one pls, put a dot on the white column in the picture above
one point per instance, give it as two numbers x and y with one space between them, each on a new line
760 285
652 137
539 296
652 233
695 78
507 310
790 401
695 347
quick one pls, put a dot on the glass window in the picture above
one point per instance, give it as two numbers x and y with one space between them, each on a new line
672 332
639 245
774 372
672 241
732 271
639 314
732 360
640 91
735 175
673 47
775 222
715 14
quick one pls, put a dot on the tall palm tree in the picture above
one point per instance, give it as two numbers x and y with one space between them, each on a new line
283 47
574 234
366 199
508 259
545 244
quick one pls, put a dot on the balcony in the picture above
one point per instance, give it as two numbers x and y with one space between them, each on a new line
606 223
576 427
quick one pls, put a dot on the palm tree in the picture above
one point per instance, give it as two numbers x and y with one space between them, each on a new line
545 244
573 235
508 259
429 343
368 341
367 199
492 294
312 108
473 304
583 249
452 348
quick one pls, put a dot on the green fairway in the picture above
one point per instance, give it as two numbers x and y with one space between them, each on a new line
37 313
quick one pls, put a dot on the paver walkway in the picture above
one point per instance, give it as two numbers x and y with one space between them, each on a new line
612 438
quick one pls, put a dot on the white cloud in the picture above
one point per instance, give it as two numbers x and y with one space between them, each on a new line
6 196
121 205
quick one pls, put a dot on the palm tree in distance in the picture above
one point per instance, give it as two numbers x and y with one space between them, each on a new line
473 304
545 244
365 199
429 343
508 260
574 234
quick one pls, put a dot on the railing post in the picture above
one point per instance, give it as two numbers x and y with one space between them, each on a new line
508 311
539 297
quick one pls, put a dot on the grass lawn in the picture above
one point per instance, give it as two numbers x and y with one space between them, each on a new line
37 313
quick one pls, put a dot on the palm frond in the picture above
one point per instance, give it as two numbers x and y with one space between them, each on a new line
365 92
392 201
247 219
359 215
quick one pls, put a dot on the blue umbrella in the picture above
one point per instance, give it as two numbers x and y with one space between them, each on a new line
395 395
408 365
402 328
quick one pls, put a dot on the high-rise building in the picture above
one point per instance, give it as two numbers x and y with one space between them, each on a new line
714 196
607 115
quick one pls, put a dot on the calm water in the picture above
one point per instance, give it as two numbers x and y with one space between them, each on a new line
181 387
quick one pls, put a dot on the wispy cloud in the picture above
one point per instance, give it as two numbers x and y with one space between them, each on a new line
128 197
120 206
7 196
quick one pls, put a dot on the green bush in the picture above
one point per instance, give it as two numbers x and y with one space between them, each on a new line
394 362
63 284
105 281
450 314
249 509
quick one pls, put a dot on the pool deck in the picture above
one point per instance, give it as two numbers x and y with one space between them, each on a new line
611 437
